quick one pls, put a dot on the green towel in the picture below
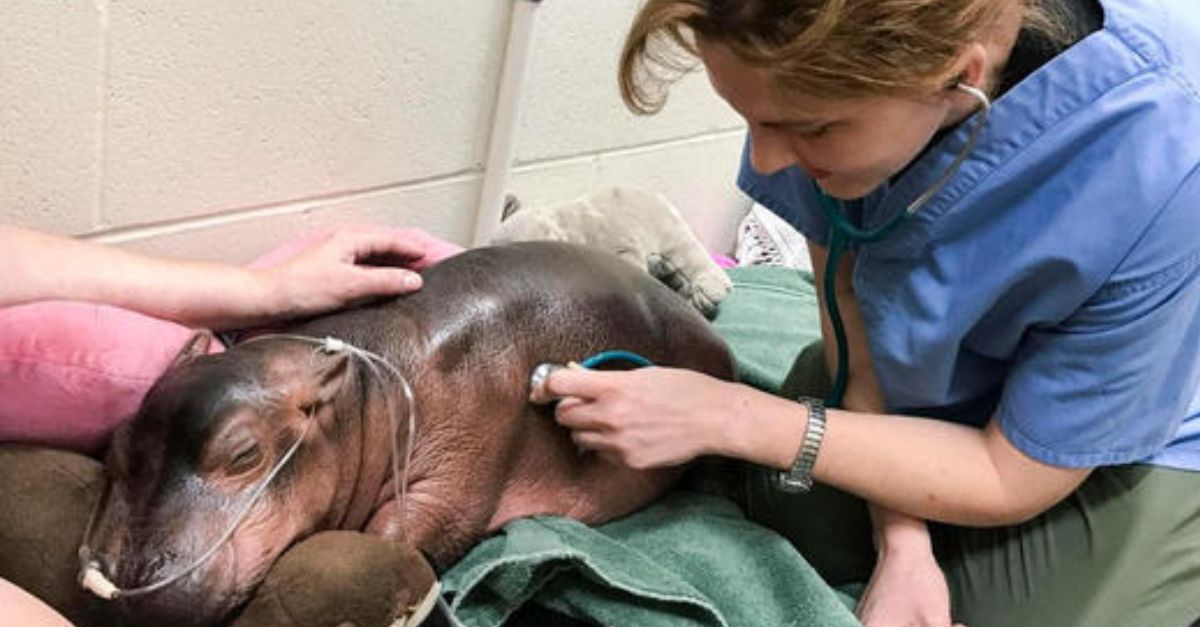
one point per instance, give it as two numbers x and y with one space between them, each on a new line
768 318
689 560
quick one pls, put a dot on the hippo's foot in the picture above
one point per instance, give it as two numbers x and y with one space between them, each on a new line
344 578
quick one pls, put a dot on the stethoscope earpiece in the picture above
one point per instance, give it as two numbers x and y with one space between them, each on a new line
978 93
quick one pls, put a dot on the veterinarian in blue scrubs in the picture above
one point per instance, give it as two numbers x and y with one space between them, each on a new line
1022 410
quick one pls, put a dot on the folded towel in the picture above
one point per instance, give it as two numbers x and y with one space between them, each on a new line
689 560
768 318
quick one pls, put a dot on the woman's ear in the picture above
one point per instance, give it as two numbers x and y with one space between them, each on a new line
973 68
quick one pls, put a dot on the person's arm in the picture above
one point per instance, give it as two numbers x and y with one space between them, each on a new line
21 608
922 467
926 468
328 275
894 532
907 585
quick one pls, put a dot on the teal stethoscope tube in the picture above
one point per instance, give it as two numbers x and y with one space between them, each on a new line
842 233
600 359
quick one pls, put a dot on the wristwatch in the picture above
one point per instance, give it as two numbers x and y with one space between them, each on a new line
798 478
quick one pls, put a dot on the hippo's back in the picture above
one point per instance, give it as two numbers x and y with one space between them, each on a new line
559 302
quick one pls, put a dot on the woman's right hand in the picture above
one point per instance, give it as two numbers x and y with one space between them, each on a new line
646 418
340 268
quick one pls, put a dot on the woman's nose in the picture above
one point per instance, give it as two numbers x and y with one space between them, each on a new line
770 153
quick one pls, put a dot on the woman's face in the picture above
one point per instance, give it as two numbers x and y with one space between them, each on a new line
848 147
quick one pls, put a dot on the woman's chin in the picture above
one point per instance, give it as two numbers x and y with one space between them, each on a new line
845 187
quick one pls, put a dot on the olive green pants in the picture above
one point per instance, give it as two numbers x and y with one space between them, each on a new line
1122 551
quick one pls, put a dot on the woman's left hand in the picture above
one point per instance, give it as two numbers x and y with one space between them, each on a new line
644 418
907 589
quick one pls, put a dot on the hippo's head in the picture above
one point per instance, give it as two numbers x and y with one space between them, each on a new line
209 432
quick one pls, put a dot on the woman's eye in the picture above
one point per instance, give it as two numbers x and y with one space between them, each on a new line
815 131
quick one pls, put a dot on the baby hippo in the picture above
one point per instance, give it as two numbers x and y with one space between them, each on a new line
234 457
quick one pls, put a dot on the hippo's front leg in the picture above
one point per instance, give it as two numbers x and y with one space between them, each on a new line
451 497
442 528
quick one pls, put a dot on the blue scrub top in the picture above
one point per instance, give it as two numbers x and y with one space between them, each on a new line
1054 283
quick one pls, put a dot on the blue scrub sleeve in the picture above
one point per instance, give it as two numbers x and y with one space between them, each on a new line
1112 383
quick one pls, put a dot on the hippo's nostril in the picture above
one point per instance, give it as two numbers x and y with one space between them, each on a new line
135 572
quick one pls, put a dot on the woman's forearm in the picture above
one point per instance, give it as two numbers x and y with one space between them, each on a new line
925 468
896 532
910 465
48 267
336 269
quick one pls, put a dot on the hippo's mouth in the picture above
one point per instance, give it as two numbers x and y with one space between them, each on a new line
190 591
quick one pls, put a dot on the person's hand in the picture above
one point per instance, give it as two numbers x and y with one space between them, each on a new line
907 589
343 268
644 418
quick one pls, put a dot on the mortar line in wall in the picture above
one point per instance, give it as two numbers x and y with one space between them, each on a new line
171 226
127 233
99 210
635 148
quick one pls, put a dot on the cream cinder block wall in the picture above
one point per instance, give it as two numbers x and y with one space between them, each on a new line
215 129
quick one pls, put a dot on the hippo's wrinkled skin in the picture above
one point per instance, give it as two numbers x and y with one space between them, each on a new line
213 426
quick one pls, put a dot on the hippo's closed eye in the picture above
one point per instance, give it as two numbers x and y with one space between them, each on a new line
237 449
247 458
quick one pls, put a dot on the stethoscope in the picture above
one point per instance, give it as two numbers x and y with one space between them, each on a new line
842 233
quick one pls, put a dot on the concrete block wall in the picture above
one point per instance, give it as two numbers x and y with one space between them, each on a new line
215 129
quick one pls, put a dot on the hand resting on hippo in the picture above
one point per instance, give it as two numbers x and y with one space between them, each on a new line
214 428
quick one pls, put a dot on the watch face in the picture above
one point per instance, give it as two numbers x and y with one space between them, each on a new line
789 483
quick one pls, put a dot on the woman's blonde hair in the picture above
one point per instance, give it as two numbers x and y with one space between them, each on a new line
831 48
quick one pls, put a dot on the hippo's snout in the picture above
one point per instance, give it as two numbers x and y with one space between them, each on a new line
147 593
157 577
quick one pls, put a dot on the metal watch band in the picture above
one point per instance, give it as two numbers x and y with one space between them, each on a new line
799 477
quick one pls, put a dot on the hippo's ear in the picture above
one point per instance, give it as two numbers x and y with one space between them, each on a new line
332 374
196 346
